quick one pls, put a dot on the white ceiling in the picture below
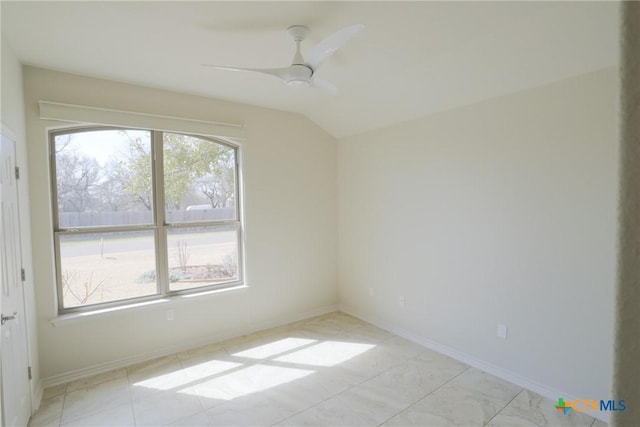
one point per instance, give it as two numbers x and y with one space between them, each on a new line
412 59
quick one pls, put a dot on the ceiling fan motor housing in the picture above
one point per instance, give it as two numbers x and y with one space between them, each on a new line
298 75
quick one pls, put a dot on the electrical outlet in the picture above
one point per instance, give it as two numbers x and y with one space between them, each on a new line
169 314
502 332
401 301
370 292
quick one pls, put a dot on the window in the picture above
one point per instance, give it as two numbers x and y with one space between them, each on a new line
142 214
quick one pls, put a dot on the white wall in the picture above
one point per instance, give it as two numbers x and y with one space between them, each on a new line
499 212
291 222
13 117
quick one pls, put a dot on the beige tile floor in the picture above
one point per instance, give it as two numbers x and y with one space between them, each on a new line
332 370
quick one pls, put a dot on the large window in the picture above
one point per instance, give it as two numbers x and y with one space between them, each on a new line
141 214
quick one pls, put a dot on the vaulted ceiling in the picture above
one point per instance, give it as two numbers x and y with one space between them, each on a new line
412 59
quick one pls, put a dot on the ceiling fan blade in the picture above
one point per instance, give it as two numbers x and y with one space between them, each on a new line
329 45
278 72
328 87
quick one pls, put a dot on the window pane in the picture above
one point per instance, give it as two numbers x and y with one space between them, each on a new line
103 177
202 256
199 179
102 267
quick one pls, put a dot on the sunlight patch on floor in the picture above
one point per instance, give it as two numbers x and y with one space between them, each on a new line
246 381
328 353
209 368
183 377
273 348
210 379
165 381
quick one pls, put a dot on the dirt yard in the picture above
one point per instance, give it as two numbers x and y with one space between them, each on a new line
100 270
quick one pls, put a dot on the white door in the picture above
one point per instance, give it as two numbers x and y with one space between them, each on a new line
16 395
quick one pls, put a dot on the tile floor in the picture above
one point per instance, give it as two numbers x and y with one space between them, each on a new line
332 370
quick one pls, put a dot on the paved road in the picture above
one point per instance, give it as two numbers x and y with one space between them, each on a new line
111 245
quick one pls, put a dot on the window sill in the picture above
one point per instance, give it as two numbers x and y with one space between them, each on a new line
69 318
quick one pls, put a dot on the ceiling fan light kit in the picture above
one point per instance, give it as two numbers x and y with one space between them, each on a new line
298 75
301 73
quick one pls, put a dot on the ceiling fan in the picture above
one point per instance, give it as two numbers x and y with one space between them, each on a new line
301 72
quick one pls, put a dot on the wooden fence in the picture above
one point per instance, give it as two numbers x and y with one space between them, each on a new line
92 219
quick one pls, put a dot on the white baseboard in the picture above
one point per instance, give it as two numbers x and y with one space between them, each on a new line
231 333
505 374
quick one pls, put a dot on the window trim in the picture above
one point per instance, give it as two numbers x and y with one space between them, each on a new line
158 226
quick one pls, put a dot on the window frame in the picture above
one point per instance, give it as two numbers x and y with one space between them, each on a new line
158 225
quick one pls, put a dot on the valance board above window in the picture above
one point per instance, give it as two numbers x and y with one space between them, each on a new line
109 117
